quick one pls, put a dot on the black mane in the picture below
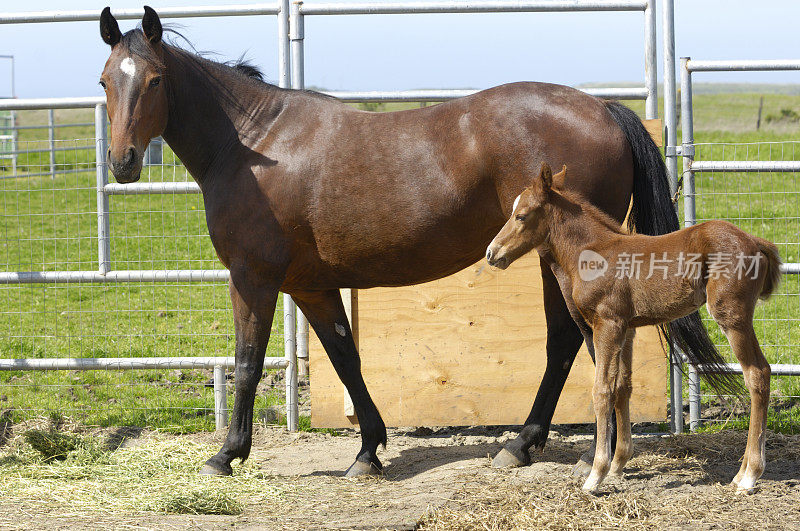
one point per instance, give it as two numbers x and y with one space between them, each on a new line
135 43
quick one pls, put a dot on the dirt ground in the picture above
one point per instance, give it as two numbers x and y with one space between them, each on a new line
441 479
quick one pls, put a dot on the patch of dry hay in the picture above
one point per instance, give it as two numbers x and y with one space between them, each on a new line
686 493
542 506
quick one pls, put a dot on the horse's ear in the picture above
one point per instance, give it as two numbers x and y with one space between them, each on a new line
109 29
151 25
546 176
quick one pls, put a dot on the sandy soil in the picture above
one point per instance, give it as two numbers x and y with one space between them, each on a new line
672 482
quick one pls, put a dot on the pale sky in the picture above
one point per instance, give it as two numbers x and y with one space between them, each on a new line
420 51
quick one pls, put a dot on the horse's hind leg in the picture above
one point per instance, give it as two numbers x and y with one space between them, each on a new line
756 372
253 311
624 449
734 314
327 316
564 339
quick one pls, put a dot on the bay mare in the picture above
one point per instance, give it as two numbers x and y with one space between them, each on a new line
614 282
304 194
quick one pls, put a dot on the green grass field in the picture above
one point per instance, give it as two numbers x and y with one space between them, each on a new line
49 224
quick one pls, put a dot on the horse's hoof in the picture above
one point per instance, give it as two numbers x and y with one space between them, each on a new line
216 469
506 459
360 468
581 468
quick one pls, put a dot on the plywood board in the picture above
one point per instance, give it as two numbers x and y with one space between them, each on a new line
469 349
656 130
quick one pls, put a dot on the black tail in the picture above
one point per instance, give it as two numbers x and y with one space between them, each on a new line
652 212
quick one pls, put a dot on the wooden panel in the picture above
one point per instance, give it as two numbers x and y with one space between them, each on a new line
656 131
469 349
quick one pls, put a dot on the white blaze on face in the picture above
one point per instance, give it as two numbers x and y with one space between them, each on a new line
516 202
128 67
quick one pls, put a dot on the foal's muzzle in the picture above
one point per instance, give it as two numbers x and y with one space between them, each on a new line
500 262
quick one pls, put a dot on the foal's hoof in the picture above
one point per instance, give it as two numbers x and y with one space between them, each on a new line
583 467
506 459
360 468
216 469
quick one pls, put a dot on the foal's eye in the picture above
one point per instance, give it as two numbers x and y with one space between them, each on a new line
103 84
155 81
520 217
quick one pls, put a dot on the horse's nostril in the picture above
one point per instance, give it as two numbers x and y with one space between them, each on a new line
489 254
129 156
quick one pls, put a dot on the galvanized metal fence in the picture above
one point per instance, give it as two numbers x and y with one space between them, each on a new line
133 267
754 185
163 269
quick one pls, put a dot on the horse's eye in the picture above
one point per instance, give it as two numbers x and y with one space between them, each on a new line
103 84
520 217
155 81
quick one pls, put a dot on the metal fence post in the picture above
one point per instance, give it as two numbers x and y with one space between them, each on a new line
670 149
220 398
296 36
689 211
103 233
51 137
650 61
284 67
290 349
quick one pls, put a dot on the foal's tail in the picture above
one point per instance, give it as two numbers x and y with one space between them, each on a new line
653 213
773 271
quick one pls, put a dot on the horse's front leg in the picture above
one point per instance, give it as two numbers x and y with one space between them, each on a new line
327 316
564 339
253 311
609 338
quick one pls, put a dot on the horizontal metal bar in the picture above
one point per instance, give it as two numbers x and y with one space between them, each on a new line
622 93
93 364
74 277
189 187
47 150
130 14
43 173
778 369
47 126
743 65
746 166
462 6
790 269
32 104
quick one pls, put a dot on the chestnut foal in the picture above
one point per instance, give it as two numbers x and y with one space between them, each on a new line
614 282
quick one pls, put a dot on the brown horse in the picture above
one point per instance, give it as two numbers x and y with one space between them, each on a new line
305 194
614 282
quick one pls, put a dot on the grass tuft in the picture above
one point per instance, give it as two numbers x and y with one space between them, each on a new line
201 501
51 444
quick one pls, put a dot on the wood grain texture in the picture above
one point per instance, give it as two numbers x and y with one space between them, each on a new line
469 349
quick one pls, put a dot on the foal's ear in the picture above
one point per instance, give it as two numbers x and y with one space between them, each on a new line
546 176
109 29
151 25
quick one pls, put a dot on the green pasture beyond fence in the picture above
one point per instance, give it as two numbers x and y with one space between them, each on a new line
49 224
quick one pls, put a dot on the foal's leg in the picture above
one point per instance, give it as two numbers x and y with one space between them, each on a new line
563 342
736 320
609 338
326 314
756 372
253 310
624 449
